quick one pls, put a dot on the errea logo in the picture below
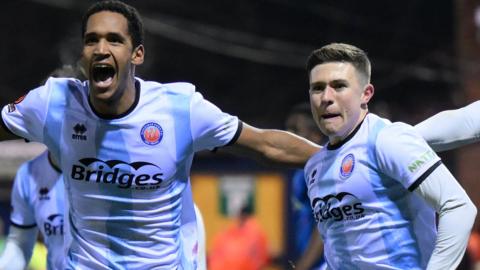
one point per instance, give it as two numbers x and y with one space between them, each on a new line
421 160
44 194
79 132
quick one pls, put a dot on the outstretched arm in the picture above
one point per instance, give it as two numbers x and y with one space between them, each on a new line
456 214
18 248
275 146
453 128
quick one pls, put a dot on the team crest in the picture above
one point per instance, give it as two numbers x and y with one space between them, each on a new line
348 164
151 133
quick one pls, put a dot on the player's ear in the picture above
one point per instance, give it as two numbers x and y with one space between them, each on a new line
138 55
367 93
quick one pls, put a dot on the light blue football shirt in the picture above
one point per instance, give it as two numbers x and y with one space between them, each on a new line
361 195
37 200
124 177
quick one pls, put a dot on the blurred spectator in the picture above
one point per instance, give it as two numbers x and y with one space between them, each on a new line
2 235
473 250
306 243
242 246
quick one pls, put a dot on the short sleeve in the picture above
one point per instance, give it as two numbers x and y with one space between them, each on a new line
210 126
26 116
404 155
22 214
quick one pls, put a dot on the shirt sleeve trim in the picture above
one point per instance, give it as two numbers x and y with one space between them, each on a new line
50 161
23 226
424 176
237 134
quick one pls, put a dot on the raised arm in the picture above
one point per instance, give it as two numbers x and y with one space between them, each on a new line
275 146
456 215
453 128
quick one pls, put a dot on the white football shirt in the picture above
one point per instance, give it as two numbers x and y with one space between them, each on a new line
124 177
361 195
37 200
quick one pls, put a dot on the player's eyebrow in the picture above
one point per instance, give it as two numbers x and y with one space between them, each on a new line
108 35
90 34
318 85
339 81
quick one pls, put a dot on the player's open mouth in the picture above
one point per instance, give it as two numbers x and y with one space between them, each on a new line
330 115
103 74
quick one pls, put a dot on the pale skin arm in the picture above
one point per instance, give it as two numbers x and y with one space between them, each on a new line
275 146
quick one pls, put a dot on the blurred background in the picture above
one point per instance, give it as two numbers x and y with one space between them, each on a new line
247 57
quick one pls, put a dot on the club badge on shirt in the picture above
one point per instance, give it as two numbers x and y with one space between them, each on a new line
151 133
348 164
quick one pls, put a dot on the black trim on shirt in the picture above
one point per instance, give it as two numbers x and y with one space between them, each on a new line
111 117
237 134
53 164
350 136
23 226
424 176
234 138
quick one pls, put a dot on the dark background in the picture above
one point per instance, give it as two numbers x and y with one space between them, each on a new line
248 56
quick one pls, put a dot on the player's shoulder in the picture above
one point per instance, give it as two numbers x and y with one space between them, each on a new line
397 137
375 122
383 129
41 160
184 88
62 88
64 83
25 174
173 88
396 129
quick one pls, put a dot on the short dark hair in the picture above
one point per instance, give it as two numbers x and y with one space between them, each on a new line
135 24
341 52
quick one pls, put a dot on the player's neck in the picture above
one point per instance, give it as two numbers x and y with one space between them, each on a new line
117 106
337 141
